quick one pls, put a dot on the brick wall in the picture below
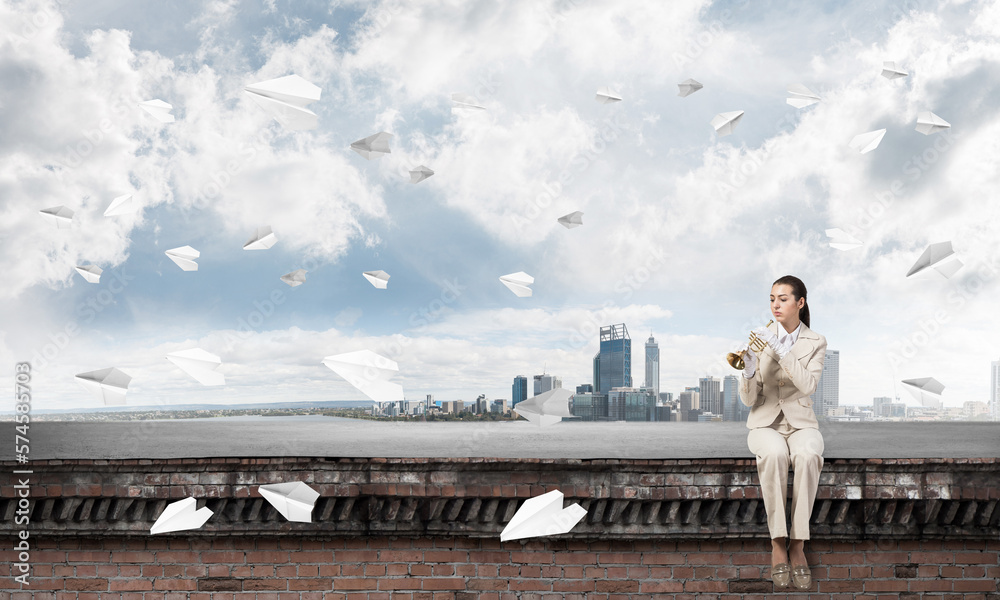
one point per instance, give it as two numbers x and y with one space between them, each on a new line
296 568
429 528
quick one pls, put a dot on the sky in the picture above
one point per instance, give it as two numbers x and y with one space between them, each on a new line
684 230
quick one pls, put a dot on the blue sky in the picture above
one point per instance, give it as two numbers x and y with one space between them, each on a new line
683 229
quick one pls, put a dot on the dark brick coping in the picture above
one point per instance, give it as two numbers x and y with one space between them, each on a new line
277 437
626 499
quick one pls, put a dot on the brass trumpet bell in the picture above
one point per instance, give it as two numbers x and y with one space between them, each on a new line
735 359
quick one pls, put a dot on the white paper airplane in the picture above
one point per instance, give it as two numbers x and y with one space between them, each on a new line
285 99
518 283
158 109
262 239
939 258
724 123
181 516
546 409
420 173
199 364
573 219
107 385
367 372
926 390
688 87
122 205
184 257
466 101
295 278
891 71
293 500
91 273
373 146
841 240
60 216
801 96
379 279
542 515
866 142
606 96
928 123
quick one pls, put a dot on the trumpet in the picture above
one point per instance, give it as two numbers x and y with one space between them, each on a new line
735 359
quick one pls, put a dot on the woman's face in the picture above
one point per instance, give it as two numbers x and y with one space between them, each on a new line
784 306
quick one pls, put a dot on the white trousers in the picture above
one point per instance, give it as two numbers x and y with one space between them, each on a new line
776 446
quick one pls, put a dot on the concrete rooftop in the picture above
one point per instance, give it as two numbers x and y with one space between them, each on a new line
319 437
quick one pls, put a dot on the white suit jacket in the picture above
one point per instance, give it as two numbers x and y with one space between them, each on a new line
784 385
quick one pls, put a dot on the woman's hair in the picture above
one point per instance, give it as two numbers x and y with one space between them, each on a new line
798 291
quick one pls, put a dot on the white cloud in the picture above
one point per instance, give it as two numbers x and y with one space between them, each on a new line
677 223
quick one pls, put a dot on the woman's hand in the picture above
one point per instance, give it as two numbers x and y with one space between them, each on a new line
772 340
749 363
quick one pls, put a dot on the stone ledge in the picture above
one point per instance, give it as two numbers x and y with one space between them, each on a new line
626 499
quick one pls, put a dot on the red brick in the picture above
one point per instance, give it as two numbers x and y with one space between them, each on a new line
452 556
175 585
929 558
487 584
90 585
617 586
633 558
402 583
662 587
520 585
265 584
975 558
931 585
310 584
354 584
351 556
231 556
573 586
976 585
130 585
848 585
444 584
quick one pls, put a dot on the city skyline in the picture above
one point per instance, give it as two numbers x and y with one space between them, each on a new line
664 196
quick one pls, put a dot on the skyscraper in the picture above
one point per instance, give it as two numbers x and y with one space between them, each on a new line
545 383
630 404
597 372
614 361
995 390
519 391
827 394
733 408
881 405
652 365
710 394
688 402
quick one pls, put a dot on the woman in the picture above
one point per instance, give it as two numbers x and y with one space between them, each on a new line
776 384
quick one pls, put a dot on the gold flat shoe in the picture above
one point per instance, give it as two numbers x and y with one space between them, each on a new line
801 577
780 575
